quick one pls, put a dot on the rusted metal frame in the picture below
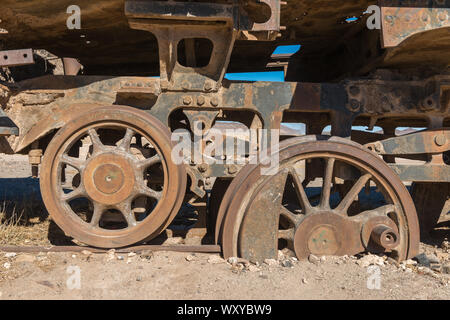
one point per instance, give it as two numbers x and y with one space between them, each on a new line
175 77
176 248
432 142
13 58
172 22
174 12
7 126
424 173
404 19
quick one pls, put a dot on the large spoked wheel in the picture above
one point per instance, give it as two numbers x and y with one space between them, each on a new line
108 180
328 197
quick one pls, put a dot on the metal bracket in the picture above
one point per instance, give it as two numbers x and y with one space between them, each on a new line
430 141
171 22
402 20
14 58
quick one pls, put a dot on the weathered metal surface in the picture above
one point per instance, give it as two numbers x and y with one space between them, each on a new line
428 172
431 141
194 87
401 20
113 178
7 126
239 239
14 58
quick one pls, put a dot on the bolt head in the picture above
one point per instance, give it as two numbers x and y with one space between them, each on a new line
187 100
201 100
440 140
214 101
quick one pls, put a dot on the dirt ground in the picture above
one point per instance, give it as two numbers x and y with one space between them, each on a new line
171 275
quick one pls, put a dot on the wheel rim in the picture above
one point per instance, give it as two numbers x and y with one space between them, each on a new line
124 189
253 233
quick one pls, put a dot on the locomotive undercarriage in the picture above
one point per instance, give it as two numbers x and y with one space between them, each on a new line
333 192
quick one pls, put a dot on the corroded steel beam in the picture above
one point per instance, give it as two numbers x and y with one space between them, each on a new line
404 19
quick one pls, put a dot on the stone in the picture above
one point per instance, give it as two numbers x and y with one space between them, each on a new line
436 267
253 268
146 254
313 259
410 262
138 278
271 262
214 259
370 259
393 262
423 260
7 265
445 245
190 258
86 252
304 281
10 255
323 259
120 258
433 259
25 258
131 254
287 264
234 261
446 268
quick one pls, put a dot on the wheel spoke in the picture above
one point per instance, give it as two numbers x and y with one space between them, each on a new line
97 215
287 234
126 141
125 209
77 193
146 191
292 217
326 188
73 162
306 206
95 140
149 162
352 194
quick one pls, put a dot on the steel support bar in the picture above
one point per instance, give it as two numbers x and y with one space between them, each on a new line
431 141
14 58
423 173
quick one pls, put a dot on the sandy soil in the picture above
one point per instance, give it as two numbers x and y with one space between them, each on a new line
170 275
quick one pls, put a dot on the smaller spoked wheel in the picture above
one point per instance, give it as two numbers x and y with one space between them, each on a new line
111 182
328 197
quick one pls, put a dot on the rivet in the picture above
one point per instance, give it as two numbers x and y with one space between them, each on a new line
187 100
440 140
214 101
201 100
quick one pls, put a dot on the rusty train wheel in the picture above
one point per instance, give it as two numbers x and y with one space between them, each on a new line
108 180
299 206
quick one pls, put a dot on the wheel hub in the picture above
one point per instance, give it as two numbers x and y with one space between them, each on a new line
323 240
109 178
325 234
